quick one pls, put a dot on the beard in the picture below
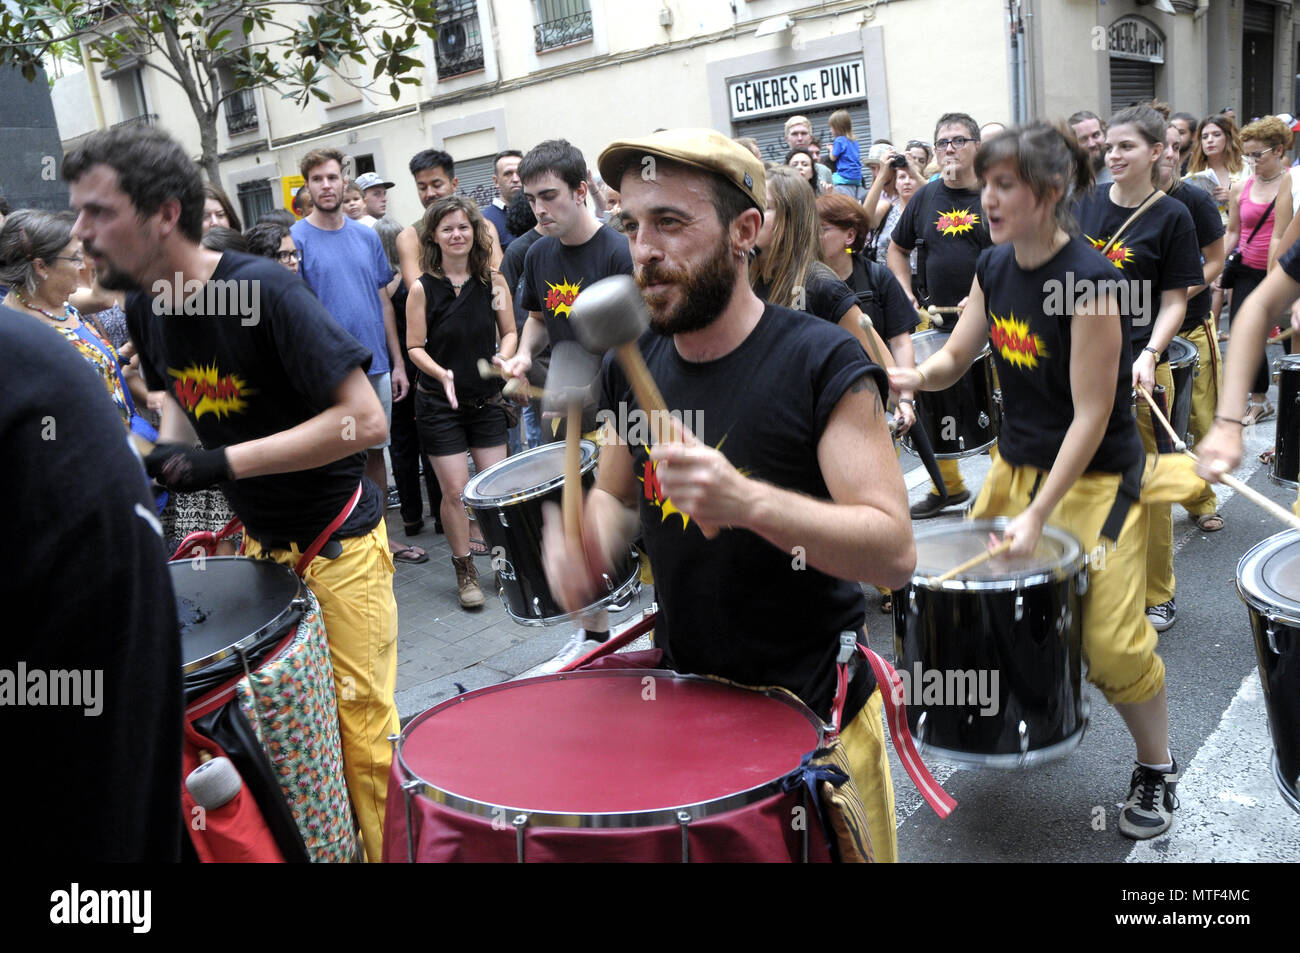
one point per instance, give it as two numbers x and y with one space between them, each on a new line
1098 161
337 200
109 276
704 289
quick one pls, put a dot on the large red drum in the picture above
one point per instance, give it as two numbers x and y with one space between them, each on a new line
632 765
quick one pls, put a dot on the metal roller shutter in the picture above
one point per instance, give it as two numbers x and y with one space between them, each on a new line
1131 81
770 130
475 179
1257 18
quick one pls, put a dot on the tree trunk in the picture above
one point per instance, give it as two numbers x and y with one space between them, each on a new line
208 142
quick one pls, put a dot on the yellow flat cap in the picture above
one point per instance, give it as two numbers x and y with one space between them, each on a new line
704 149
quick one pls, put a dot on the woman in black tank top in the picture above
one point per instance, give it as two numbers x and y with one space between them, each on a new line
455 314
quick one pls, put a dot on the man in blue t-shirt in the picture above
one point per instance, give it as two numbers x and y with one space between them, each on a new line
345 264
505 176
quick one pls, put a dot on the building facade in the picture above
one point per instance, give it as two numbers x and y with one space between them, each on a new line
511 73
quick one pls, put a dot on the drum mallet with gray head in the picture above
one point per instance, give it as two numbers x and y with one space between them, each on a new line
514 385
611 314
936 314
569 383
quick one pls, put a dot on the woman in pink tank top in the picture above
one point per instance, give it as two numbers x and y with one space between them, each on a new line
1257 206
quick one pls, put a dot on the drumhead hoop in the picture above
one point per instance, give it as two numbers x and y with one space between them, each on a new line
227 604
940 548
930 342
713 732
1268 577
525 475
1287 362
1181 352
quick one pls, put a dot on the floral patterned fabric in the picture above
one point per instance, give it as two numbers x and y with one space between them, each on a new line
106 369
297 720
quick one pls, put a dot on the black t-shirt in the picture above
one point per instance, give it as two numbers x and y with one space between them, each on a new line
555 273
461 331
257 362
1028 315
86 573
882 298
1156 253
823 295
737 606
1209 228
955 231
512 269
1289 261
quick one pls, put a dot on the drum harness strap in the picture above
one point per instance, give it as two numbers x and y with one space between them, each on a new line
895 714
1127 493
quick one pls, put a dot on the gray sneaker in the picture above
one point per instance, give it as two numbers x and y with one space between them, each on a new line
1162 616
577 646
1149 810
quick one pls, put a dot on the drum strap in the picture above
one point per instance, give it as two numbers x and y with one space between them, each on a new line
896 716
206 540
1127 493
1212 339
310 552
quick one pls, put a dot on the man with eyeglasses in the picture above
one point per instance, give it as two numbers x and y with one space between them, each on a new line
945 222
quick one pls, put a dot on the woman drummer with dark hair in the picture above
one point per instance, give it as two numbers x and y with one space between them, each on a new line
1069 452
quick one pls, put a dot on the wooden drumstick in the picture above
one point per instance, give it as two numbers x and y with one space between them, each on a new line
571 496
144 446
612 315
1259 499
569 380
974 561
936 313
1282 336
874 344
515 386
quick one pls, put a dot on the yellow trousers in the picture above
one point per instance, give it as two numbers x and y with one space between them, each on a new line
355 592
1205 397
1160 527
864 742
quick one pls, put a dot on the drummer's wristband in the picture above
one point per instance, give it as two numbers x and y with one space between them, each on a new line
1229 420
907 400
1152 351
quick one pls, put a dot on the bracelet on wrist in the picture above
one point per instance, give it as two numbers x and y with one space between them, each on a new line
907 400
1152 351
1228 420
921 374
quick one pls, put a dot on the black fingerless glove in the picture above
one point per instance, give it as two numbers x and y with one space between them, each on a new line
178 467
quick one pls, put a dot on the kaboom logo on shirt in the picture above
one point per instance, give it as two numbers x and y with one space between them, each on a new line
560 298
956 221
205 390
1015 343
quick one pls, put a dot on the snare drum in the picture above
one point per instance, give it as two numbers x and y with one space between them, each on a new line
1286 461
629 765
506 501
991 660
1268 581
252 615
964 419
1184 361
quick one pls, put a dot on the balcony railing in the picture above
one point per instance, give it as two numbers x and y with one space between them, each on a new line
563 31
241 114
145 119
459 48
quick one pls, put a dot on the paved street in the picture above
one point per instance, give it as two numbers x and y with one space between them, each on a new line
1230 808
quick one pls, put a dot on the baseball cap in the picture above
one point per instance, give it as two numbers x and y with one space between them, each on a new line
704 149
1291 122
368 180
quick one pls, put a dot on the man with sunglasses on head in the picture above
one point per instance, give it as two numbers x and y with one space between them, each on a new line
945 222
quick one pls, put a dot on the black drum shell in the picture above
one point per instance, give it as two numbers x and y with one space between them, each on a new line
964 419
1038 658
1183 369
1286 461
512 531
1279 673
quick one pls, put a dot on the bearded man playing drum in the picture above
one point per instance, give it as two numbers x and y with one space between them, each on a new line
1069 452
805 486
278 395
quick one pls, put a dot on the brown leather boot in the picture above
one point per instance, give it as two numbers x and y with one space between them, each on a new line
471 596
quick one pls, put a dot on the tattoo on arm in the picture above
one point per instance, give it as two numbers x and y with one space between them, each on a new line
867 384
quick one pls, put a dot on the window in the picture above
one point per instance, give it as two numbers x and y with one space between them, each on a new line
561 22
363 164
459 47
241 112
130 98
254 200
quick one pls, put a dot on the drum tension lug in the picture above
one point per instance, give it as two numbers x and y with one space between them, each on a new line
501 515
911 601
984 420
848 647
520 822
1020 606
1271 634
920 730
1024 743
684 819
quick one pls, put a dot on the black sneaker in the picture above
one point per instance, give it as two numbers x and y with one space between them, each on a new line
392 501
1162 617
933 505
1149 810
